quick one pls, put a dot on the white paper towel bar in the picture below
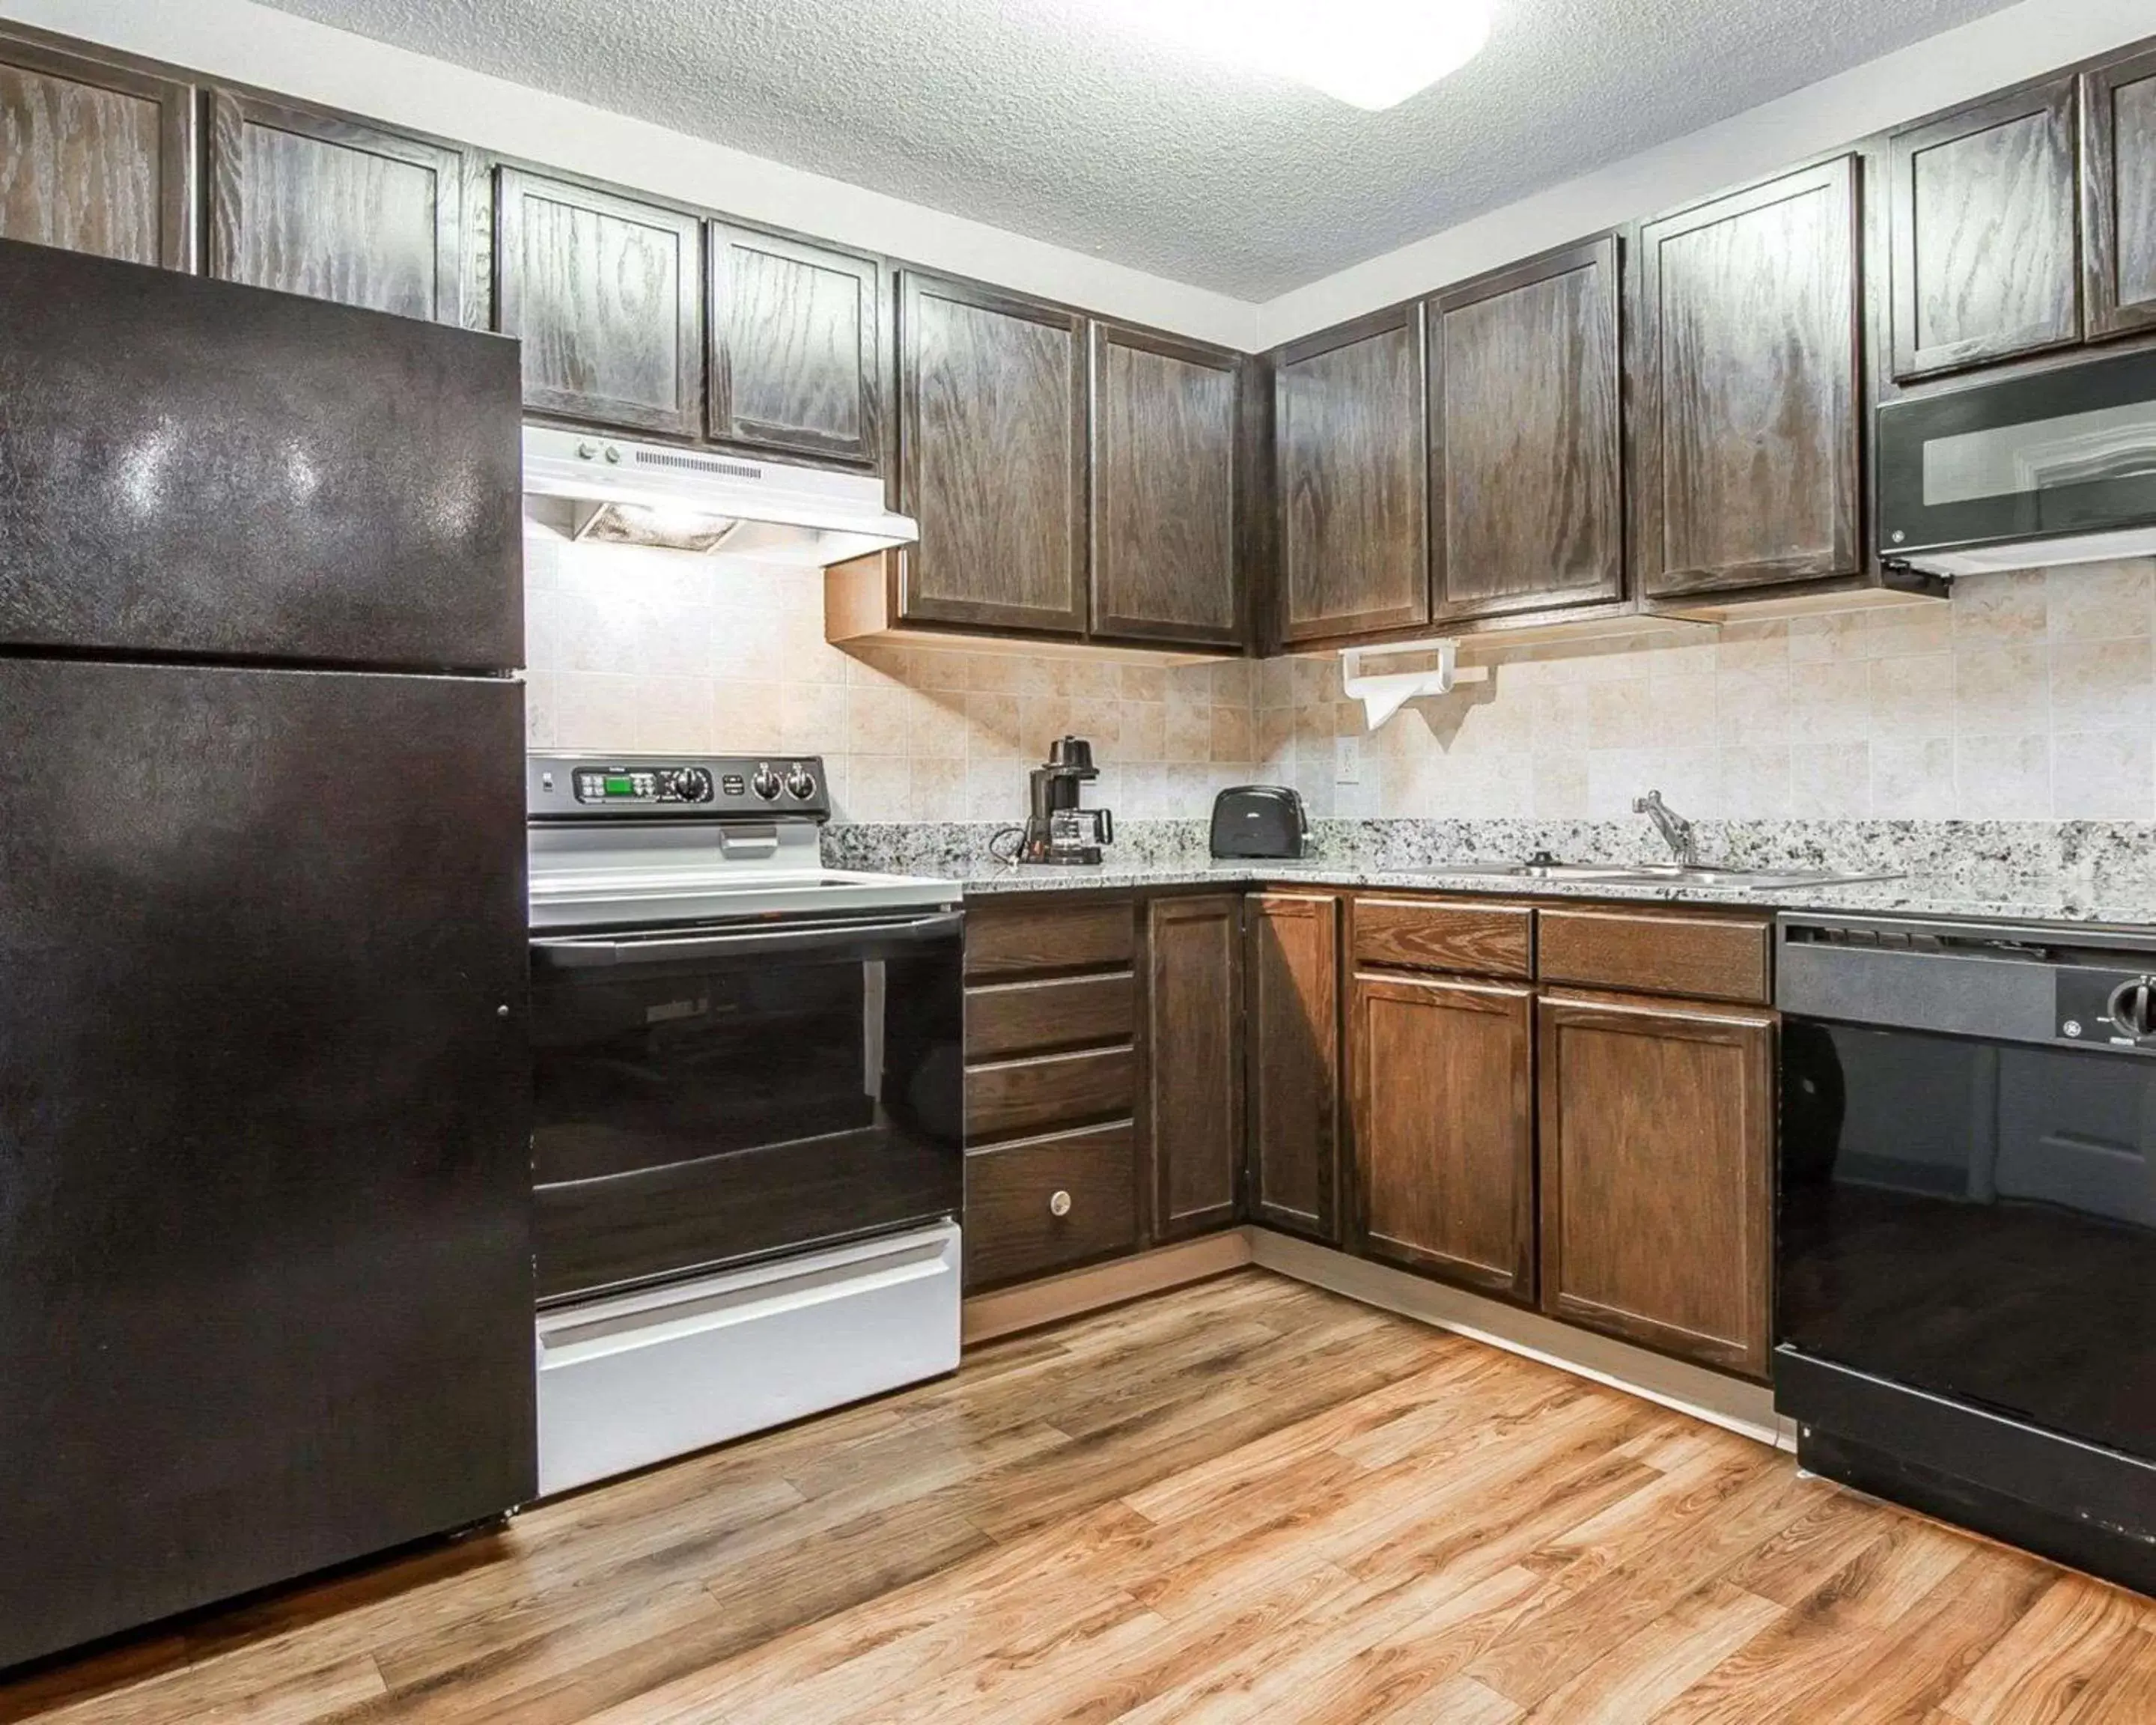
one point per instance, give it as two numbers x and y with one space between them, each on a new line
1385 693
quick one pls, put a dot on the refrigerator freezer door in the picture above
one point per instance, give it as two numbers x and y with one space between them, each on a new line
190 466
265 1272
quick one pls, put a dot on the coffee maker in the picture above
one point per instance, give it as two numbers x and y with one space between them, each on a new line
1057 830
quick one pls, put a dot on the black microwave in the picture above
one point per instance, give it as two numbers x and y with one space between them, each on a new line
2057 466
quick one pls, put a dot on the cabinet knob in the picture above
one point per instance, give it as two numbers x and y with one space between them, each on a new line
1060 1204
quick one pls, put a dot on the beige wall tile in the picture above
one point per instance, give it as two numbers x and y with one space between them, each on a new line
1830 781
2002 778
2107 775
1912 779
2001 689
2100 601
2101 685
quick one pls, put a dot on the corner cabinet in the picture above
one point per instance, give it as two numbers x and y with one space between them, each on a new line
1165 490
2118 196
1291 989
991 459
1525 441
1747 401
310 203
1984 260
607 294
1194 1061
99 156
1657 1155
1349 431
797 347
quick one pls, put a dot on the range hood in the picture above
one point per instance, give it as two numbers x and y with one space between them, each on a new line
623 493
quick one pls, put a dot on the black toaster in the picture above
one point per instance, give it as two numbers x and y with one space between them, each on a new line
1259 820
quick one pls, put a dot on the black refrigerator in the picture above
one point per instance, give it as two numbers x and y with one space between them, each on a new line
265 1272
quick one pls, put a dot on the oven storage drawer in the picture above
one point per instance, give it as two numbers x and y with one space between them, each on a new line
1043 1203
624 1383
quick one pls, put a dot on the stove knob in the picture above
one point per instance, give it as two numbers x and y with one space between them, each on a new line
765 784
692 784
801 783
2133 1008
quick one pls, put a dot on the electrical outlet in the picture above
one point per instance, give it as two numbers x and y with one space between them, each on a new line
1346 760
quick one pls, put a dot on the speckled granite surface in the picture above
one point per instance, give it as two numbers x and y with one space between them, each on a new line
2037 871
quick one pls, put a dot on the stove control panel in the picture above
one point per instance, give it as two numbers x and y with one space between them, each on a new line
716 787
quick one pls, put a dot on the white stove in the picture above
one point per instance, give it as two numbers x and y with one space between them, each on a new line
649 841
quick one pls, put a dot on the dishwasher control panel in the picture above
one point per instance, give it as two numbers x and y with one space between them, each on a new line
2110 1008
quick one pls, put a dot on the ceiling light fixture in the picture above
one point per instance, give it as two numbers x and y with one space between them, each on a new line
1371 54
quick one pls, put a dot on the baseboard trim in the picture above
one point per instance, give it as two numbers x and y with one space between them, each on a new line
1746 1409
1075 1292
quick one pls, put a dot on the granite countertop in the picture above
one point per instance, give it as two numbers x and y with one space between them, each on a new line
2093 898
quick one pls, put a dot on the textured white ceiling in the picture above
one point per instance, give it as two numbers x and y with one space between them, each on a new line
1035 117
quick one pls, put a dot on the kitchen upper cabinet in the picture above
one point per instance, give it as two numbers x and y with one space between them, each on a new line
796 361
1747 402
1195 1060
1444 1128
2118 196
1985 264
1291 975
1165 501
1349 429
96 156
310 203
992 458
1657 1147
1525 441
607 294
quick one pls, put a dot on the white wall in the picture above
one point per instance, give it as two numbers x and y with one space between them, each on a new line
253 45
246 44
2002 48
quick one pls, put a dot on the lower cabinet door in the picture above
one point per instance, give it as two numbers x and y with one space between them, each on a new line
1291 977
1049 1203
1194 1061
1442 1077
1657 1147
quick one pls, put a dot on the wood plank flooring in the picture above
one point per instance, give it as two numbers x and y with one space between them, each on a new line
1247 1499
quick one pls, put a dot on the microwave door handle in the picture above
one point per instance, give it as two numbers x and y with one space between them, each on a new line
572 954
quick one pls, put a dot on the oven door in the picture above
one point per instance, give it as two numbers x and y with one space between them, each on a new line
709 1096
1975 1219
1996 475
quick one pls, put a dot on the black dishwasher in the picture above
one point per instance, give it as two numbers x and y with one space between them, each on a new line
1966 1310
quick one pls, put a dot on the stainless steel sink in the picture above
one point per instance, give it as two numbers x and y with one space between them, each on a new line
1727 880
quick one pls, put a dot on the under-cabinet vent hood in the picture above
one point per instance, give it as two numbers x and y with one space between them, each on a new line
623 493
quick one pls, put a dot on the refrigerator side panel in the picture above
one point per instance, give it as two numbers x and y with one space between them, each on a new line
193 467
266 1271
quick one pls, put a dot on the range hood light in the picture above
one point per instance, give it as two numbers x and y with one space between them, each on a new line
1369 53
666 528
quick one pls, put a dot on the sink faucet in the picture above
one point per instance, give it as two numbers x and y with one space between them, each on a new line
1675 830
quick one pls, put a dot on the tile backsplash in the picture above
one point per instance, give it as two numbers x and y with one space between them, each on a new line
635 648
2028 696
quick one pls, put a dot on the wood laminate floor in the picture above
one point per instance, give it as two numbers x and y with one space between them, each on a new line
1244 1501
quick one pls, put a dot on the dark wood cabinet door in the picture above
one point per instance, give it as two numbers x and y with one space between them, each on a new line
1657 1147
1291 974
311 203
1525 440
796 361
1747 404
1165 497
606 295
992 459
1194 1061
1443 1123
1348 424
1985 264
2118 196
96 156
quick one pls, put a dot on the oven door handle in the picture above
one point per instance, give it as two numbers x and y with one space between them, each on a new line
589 952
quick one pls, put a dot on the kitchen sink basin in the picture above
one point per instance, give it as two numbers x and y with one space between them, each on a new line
1731 880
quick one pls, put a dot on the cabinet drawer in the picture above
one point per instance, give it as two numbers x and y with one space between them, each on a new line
1013 1194
1701 957
1008 1097
1031 939
1474 940
1007 1018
